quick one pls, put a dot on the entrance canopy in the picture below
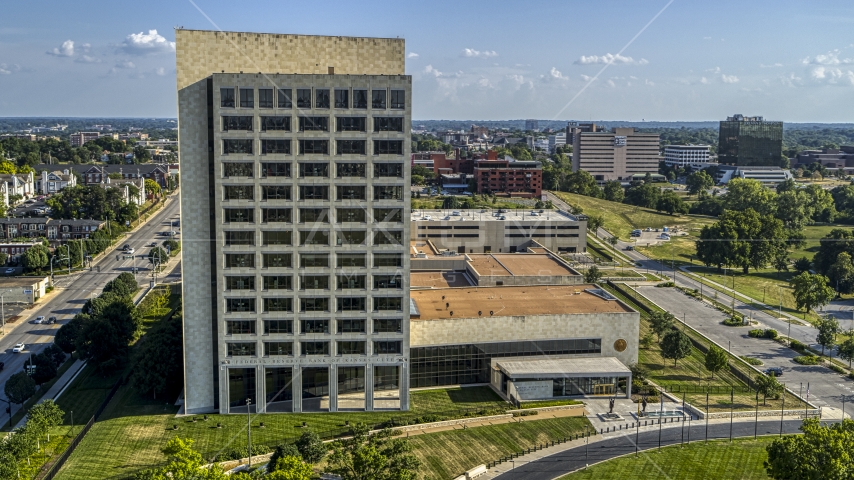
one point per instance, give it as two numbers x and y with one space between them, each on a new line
517 369
521 379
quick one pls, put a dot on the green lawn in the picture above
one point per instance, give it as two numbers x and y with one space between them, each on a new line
719 460
445 455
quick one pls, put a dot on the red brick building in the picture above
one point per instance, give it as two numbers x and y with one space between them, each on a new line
514 178
441 163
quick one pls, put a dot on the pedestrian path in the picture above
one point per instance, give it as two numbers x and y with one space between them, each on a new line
59 386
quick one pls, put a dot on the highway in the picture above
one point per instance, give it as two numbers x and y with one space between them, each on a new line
73 290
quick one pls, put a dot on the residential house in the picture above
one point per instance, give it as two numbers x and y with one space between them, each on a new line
91 174
52 229
22 184
52 182
124 185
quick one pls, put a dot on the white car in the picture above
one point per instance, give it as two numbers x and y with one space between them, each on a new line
18 348
39 319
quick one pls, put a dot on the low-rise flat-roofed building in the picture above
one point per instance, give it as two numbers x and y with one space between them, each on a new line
768 176
688 156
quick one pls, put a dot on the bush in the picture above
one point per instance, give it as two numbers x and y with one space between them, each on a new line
756 333
526 413
733 321
666 284
806 360
237 453
752 361
836 368
770 333
798 346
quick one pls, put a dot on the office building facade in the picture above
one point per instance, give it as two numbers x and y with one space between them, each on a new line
687 156
750 142
295 209
532 125
616 155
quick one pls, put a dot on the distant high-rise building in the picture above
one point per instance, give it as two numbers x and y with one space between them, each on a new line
574 128
617 155
750 141
532 124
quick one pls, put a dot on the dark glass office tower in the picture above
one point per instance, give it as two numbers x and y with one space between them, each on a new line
750 141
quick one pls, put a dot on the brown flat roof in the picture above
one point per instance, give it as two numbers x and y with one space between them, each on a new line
487 265
529 264
444 279
507 301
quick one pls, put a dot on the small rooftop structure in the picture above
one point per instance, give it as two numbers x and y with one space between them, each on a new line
516 368
497 215
444 279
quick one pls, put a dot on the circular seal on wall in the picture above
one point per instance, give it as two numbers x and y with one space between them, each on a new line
620 345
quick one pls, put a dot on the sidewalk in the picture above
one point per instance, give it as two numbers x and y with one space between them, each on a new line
59 386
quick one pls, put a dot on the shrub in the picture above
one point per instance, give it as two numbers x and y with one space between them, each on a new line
242 452
734 321
806 360
752 361
756 333
837 368
798 346
770 333
666 284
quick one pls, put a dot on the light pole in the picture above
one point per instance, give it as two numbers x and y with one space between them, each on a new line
249 430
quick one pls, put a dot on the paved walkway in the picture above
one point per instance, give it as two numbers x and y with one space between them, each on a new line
53 392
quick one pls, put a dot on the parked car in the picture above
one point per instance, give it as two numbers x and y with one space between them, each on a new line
630 247
129 251
127 246
10 271
18 348
51 320
39 319
152 244
774 372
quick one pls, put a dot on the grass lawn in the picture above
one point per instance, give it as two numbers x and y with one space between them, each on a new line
38 396
435 203
134 428
60 438
719 460
448 454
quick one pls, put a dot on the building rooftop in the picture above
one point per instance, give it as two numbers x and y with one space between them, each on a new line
444 279
488 265
499 215
466 302
529 264
516 367
13 282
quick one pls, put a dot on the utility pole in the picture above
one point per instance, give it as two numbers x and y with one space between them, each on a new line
249 430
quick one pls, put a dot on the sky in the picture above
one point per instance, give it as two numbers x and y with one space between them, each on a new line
664 60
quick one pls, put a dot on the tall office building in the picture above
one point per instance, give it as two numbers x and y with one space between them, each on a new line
750 141
621 154
295 209
532 124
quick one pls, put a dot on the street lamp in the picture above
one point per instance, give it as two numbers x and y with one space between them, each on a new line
249 430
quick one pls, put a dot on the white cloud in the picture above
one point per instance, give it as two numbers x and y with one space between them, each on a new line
484 82
830 58
127 64
715 70
707 38
555 73
412 55
773 65
704 80
64 50
85 47
729 78
611 83
469 52
586 78
160 71
87 59
649 82
145 43
6 69
611 59
832 75
632 77
436 73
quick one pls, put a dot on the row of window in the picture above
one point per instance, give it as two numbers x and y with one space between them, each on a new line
312 304
311 169
322 215
343 347
315 237
245 97
306 192
282 123
308 282
312 260
344 325
246 146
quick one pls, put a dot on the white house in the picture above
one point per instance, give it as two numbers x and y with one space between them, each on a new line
52 182
21 184
124 184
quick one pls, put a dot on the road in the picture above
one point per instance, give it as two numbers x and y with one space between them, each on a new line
826 387
73 291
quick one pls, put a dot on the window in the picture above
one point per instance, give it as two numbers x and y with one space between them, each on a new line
275 146
278 326
314 326
351 281
378 99
321 96
351 325
351 260
240 327
387 281
240 349
275 170
313 169
226 97
398 99
314 282
265 97
388 124
350 192
388 237
388 193
350 147
239 305
314 304
237 123
277 237
237 170
387 303
388 170
313 192
356 215
351 347
275 124
238 215
278 282
388 260
351 237
284 98
388 147
303 98
278 348
239 238
239 260
247 98
350 124
312 215
314 260
237 147
313 124
360 99
237 192
314 348
314 237
276 215
240 283
350 170
278 304
342 98
394 215
273 260
346 304
275 192
307 147
387 347
387 325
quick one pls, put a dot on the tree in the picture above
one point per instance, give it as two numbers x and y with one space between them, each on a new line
671 203
311 447
846 350
744 193
811 291
291 468
158 358
699 181
716 359
614 191
45 368
592 275
35 257
417 180
781 261
7 168
152 187
827 330
55 354
822 452
802 265
841 273
675 345
768 386
644 195
647 341
158 256
794 208
661 323
821 203
594 222
184 464
741 238
19 387
282 450
582 183
47 415
66 336
141 155
377 456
